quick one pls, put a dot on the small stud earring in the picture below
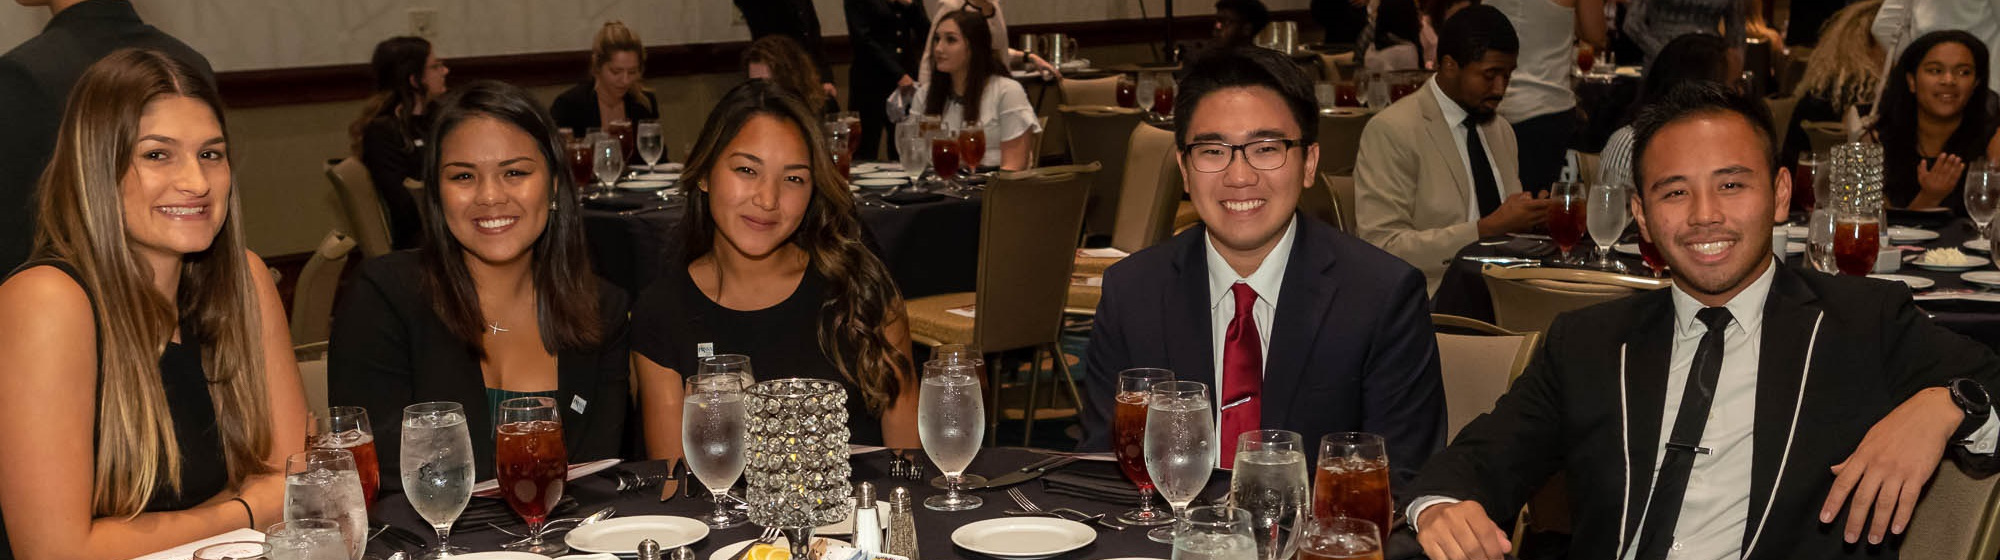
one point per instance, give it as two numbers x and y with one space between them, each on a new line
552 206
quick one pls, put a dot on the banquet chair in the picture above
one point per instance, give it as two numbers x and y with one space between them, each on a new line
1316 202
1824 135
1958 519
318 283
1101 133
1529 298
1027 245
1781 113
1150 191
1340 141
1035 141
365 217
1095 91
1337 67
1340 189
1478 361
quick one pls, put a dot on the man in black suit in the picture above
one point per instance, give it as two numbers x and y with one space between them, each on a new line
1292 324
1804 389
888 38
35 79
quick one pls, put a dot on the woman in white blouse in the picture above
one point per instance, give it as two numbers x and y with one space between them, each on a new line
969 85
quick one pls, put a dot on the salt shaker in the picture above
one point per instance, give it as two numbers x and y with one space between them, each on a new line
683 553
649 550
867 525
902 539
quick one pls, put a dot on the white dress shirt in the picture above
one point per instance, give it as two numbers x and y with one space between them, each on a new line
1454 119
1266 280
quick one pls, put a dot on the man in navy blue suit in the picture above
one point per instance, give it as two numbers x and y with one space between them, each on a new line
1292 324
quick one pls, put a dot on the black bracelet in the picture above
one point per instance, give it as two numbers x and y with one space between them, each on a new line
247 512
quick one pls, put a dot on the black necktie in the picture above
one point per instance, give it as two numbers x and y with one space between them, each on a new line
1657 536
1483 184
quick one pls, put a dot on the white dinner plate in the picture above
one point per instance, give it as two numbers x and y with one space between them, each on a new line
1914 282
657 177
491 488
845 526
871 166
1023 538
500 555
621 535
644 185
1971 262
661 168
884 174
1901 234
1794 232
729 550
879 183
1980 245
1987 277
1627 248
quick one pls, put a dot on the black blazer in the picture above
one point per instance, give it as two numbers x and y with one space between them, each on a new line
35 79
389 350
576 109
1837 354
1352 347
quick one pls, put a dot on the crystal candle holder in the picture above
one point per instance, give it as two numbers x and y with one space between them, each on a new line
797 466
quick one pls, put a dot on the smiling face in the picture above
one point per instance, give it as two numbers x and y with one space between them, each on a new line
434 73
1246 209
175 194
949 50
1708 202
618 71
495 186
1944 80
1477 87
760 186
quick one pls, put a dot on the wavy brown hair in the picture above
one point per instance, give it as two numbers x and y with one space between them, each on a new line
981 64
83 224
1847 65
615 38
790 67
399 64
861 298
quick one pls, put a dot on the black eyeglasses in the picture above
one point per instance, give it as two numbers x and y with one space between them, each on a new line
1263 155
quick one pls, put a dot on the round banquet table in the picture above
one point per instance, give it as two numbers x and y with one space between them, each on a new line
930 247
1965 308
933 527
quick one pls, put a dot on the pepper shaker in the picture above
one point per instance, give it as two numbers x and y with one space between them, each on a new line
650 550
902 539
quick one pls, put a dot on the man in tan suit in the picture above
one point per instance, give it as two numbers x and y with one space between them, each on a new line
1426 185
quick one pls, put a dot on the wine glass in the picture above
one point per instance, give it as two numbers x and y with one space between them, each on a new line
1214 533
346 427
651 143
946 156
1609 211
1856 239
306 539
951 421
437 467
532 465
621 130
1180 446
1128 432
323 484
608 160
1804 195
1819 240
1982 194
1352 478
1566 218
851 120
1340 537
1269 482
959 354
912 149
971 147
714 430
735 364
1128 92
580 169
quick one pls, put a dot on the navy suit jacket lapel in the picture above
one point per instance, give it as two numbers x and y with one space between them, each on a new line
1190 338
1790 318
1648 351
1307 296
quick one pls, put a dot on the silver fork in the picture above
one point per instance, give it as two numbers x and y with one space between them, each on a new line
769 536
1022 500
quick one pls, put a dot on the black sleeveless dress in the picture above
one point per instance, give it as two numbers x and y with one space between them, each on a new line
204 468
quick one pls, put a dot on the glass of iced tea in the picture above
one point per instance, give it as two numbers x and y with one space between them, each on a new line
1566 217
1128 433
532 466
1339 538
945 152
346 427
1856 239
1353 478
1803 194
1128 92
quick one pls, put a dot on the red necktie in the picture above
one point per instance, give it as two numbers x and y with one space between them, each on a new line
1242 374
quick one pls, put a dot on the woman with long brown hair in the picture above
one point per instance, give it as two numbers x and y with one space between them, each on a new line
389 134
968 85
616 89
499 302
150 397
781 60
777 271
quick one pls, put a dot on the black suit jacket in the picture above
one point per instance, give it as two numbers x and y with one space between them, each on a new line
389 350
888 42
1352 347
1837 354
576 109
35 79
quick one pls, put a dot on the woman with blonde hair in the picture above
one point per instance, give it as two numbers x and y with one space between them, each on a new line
150 397
616 89
1841 72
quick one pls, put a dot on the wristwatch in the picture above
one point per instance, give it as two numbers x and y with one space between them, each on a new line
1971 398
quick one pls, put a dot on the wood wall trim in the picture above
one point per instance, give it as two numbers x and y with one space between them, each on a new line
346 82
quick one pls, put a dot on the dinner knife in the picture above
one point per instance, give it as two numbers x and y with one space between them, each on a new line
672 484
1026 473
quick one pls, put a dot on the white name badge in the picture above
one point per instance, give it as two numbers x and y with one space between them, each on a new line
704 350
577 403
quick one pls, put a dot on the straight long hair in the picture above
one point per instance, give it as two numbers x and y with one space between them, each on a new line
615 38
861 298
1896 124
565 288
399 64
83 224
982 65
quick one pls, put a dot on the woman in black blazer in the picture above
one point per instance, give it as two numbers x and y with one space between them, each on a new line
499 301
616 89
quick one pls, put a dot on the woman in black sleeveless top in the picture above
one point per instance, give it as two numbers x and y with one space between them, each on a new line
150 398
778 273
1936 117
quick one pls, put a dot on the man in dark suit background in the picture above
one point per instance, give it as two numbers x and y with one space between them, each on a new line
35 80
1292 324
1804 389
888 38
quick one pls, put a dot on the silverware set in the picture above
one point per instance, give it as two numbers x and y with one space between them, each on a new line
903 465
556 525
1029 508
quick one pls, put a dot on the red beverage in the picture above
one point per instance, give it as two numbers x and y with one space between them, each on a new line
1346 95
1163 100
1585 57
842 163
532 466
972 147
853 135
581 167
1651 255
1353 488
1398 90
1566 223
627 141
944 157
364 464
1854 246
1129 435
1128 94
1802 186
